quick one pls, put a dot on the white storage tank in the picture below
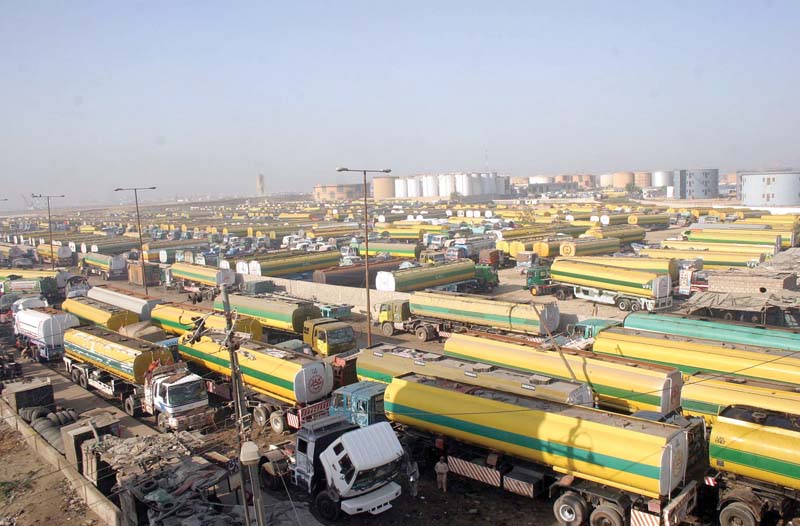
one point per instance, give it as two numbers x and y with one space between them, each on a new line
400 187
414 189
606 180
662 178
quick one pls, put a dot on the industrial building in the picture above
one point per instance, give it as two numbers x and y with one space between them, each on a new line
770 188
337 192
696 184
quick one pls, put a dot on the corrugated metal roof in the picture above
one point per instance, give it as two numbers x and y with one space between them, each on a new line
369 446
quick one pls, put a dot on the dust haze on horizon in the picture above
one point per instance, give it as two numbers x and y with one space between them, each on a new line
199 98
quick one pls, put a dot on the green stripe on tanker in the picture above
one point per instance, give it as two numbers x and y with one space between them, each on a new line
299 263
398 250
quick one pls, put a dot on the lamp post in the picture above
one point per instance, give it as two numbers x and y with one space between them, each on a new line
139 227
366 243
249 457
49 225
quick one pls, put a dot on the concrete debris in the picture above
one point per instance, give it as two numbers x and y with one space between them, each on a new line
142 453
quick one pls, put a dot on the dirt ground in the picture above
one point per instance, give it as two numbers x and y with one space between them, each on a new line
30 492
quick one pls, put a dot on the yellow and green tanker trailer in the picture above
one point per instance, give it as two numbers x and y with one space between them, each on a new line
177 318
635 467
743 237
294 262
627 289
398 250
285 387
419 278
588 246
383 361
712 260
621 386
99 313
142 375
626 234
694 355
753 250
202 275
108 267
432 315
754 456
284 317
667 266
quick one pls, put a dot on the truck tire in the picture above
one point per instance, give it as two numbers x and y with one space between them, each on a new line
261 415
623 304
326 508
561 294
104 275
130 406
570 509
161 422
606 515
387 329
75 374
277 422
83 380
736 514
635 306
421 333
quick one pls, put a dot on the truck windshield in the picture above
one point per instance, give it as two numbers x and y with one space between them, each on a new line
368 478
187 393
343 335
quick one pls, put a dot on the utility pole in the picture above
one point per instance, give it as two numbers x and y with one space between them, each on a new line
238 395
366 243
139 228
49 226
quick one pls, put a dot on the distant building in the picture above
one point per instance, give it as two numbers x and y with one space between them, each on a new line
696 184
337 192
260 185
383 187
770 188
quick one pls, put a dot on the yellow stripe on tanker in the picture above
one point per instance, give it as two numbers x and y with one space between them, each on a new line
711 260
766 250
176 318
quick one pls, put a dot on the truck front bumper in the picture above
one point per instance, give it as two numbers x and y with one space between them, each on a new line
374 502
198 420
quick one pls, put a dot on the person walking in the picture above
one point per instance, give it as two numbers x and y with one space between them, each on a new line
441 469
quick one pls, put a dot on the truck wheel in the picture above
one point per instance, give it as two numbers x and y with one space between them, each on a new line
387 329
635 306
83 380
606 515
623 305
729 316
422 333
261 415
161 423
326 507
130 406
277 422
75 374
570 509
104 275
736 514
561 294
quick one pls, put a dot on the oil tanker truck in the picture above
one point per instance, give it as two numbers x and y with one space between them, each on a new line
285 388
142 375
41 330
609 469
627 289
432 315
103 265
285 318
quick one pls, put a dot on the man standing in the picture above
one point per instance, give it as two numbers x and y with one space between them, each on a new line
441 469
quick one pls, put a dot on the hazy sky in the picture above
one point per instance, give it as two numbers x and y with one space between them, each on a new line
202 96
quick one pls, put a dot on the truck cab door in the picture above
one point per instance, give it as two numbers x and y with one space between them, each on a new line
304 465
321 341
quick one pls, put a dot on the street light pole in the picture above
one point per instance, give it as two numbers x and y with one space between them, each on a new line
366 244
139 227
49 226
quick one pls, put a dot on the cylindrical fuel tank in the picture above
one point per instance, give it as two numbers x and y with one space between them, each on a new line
635 282
273 312
177 318
99 313
658 266
590 247
418 278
